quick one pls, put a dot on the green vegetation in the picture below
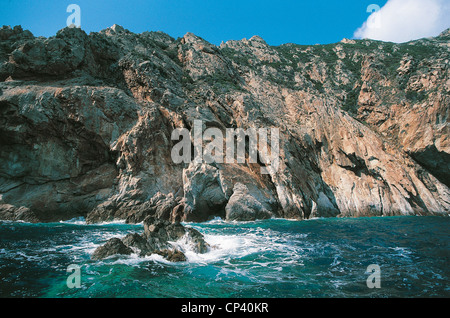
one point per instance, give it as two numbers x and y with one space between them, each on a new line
316 84
235 56
415 96
293 54
395 53
351 101
296 58
284 81
222 83
172 53
353 67
326 54
186 80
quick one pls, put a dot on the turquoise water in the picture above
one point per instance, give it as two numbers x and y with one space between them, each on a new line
270 258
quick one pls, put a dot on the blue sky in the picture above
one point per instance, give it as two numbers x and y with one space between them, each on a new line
281 21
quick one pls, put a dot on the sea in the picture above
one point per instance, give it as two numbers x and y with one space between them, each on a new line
376 257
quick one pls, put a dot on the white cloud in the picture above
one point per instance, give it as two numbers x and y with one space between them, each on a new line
406 20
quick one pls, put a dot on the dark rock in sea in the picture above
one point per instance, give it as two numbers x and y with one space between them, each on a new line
172 255
156 239
177 213
137 242
112 247
154 227
197 241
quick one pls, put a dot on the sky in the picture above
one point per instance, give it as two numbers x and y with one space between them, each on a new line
405 20
276 21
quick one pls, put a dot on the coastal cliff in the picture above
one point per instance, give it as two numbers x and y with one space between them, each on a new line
86 123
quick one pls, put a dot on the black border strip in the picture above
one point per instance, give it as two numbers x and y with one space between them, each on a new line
169 306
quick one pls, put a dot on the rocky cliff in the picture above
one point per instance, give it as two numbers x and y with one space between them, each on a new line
86 124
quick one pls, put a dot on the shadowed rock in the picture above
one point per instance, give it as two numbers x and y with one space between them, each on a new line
157 238
242 206
112 247
12 213
172 255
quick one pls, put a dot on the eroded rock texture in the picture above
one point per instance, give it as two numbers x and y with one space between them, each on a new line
86 124
159 237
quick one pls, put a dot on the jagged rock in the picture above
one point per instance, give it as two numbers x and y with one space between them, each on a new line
154 227
156 239
12 213
14 34
172 255
86 124
137 242
197 241
54 56
159 206
242 206
177 213
324 207
159 232
112 247
139 213
203 192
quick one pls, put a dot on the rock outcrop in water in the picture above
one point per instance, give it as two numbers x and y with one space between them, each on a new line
86 124
157 238
114 246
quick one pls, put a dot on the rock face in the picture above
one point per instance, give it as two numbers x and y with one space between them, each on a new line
10 212
86 123
243 206
203 191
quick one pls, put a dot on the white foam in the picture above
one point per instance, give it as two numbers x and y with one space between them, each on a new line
79 221
216 220
82 221
222 247
134 259
402 251
113 222
87 245
30 258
